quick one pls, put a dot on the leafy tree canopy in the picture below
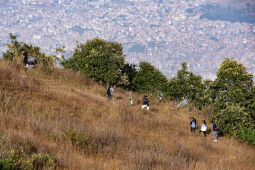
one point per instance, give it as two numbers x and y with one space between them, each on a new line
150 79
232 74
234 101
100 60
233 85
130 71
185 85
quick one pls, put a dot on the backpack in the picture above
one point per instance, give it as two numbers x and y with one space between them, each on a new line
215 127
145 101
109 91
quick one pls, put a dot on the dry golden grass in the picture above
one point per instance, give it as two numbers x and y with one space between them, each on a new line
66 115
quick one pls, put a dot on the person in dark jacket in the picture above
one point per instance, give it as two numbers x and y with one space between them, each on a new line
25 58
146 103
193 125
215 131
109 92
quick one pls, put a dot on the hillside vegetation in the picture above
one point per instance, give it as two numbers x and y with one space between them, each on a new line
62 120
230 97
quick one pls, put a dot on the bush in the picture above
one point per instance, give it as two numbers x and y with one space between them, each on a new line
43 161
247 135
83 141
23 155
35 161
9 163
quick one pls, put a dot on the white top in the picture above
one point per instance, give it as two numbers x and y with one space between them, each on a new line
111 89
203 127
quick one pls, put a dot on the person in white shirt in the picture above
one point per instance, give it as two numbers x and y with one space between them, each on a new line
203 128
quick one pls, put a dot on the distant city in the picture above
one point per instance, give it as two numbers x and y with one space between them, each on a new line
162 32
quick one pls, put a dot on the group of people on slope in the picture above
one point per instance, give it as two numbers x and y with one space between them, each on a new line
193 127
145 105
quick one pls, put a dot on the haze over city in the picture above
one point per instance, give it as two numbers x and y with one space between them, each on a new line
144 84
162 32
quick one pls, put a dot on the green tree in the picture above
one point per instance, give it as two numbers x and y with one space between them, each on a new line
233 85
100 60
14 49
130 71
187 85
233 100
150 79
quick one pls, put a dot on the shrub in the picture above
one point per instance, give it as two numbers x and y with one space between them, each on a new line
248 135
84 141
22 155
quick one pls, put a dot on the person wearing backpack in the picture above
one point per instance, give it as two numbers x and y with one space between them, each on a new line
203 128
193 125
215 132
146 103
109 92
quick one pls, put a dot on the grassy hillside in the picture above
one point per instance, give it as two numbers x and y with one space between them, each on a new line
63 121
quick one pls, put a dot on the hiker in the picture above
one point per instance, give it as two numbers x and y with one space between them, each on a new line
131 98
215 132
160 97
25 56
203 128
31 62
146 103
193 125
109 92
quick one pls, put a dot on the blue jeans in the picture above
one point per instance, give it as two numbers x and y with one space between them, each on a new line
215 135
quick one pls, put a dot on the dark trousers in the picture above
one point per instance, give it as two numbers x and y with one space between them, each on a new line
204 132
193 129
109 97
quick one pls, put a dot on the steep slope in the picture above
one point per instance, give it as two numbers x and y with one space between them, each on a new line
62 120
